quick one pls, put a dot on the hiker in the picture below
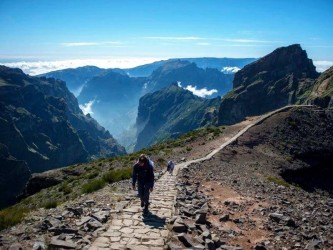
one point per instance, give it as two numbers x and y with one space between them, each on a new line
143 172
170 167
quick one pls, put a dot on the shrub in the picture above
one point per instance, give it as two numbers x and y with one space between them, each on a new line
11 216
93 186
118 175
278 181
50 204
91 175
65 189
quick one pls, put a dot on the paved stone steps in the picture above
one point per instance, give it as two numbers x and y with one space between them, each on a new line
129 228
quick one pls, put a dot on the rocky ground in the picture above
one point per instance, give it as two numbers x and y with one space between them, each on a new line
235 200
245 202
71 225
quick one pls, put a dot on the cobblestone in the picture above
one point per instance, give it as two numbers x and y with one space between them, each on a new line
131 229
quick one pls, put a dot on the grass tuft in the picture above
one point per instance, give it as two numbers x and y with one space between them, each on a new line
92 186
11 216
50 204
278 181
118 175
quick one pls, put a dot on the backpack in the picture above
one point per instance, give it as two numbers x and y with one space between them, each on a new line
151 163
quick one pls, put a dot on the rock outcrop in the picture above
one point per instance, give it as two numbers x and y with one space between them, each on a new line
171 112
42 125
322 92
274 81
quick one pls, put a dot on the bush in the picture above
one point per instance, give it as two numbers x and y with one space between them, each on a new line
93 186
118 175
11 216
278 181
91 175
50 204
65 189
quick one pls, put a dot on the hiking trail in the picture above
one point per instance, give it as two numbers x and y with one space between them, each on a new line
129 228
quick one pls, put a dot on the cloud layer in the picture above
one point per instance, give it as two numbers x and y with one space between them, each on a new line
40 67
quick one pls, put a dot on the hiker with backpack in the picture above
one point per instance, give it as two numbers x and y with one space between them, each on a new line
170 167
143 173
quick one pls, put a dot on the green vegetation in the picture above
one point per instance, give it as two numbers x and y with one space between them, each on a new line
91 175
50 204
11 216
96 174
65 188
118 175
292 123
278 181
93 186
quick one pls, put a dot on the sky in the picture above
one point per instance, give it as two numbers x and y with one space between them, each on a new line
42 35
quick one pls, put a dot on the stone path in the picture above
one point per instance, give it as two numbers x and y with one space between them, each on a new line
130 229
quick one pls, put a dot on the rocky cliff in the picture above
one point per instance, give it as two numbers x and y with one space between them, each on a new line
189 74
42 126
322 91
171 112
278 79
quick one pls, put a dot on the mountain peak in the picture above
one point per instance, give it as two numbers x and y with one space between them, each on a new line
282 61
276 80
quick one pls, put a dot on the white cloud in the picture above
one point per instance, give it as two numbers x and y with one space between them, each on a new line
40 67
174 38
199 92
230 70
89 44
179 84
321 66
203 44
248 41
87 107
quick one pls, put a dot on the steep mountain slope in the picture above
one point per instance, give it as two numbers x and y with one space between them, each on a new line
189 74
278 79
171 112
322 91
114 97
75 78
42 126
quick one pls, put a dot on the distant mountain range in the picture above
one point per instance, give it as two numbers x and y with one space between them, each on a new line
42 127
76 78
221 64
112 96
285 76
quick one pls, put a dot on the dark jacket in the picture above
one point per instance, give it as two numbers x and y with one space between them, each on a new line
144 174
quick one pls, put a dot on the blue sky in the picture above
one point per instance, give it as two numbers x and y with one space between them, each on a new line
127 33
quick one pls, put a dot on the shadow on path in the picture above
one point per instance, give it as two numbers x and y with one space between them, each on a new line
153 220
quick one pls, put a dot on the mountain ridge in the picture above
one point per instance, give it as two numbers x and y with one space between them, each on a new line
278 79
171 112
43 126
